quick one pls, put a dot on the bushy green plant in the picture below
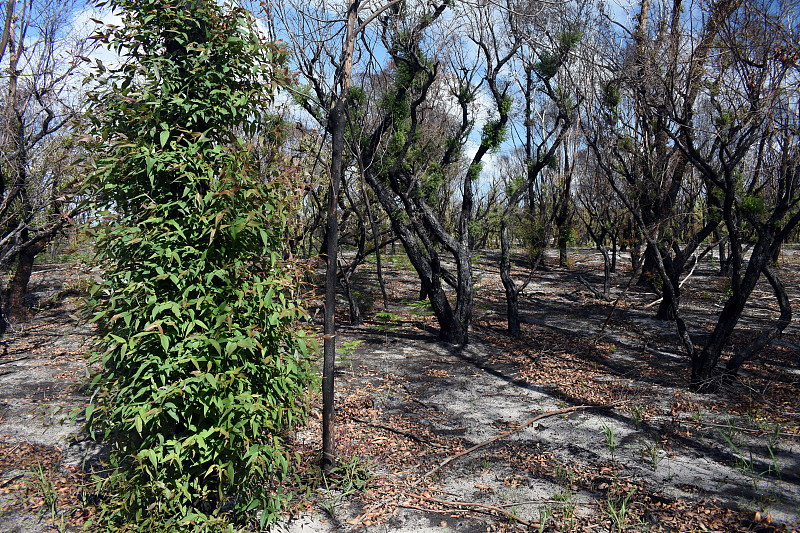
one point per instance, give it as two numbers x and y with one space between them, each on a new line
203 371
567 235
534 235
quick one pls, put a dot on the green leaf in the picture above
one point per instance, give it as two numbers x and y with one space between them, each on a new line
153 458
164 342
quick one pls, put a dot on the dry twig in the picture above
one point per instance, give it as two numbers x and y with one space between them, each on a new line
452 458
411 436
502 436
470 505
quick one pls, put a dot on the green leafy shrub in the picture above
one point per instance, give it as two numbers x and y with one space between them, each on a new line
753 205
534 235
567 235
203 371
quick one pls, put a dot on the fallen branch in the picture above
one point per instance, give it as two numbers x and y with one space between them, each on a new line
14 360
411 436
471 505
529 502
525 424
597 294
8 482
680 285
739 428
452 458
651 304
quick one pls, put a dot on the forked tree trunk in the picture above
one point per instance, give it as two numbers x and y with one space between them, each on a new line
757 344
356 318
453 323
649 268
376 243
348 270
704 378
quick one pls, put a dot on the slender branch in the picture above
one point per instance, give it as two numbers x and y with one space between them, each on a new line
452 458
471 505
374 15
411 436
680 285
6 27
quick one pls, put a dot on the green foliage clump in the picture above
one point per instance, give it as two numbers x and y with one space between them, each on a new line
551 162
724 120
753 205
568 39
626 143
534 235
547 66
610 95
516 181
565 99
203 371
407 77
495 131
505 105
466 95
474 171
567 235
493 135
432 182
356 96
452 144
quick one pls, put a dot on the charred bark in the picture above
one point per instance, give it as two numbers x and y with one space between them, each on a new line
705 376
18 286
752 349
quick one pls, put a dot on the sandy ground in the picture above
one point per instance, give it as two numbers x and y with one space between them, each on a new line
637 451
684 461
42 380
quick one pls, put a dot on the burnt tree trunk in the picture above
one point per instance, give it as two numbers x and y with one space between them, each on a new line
347 270
670 299
562 212
18 286
376 239
512 294
613 252
606 271
704 366
336 126
757 344
724 261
